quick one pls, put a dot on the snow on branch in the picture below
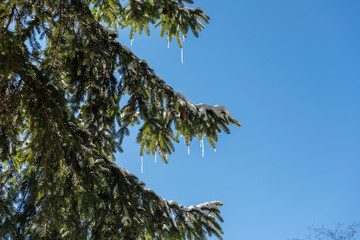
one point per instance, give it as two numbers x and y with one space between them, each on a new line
160 106
200 110
171 215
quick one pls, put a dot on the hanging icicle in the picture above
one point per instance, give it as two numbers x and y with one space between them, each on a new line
155 157
214 149
188 150
131 41
168 44
142 165
202 146
182 55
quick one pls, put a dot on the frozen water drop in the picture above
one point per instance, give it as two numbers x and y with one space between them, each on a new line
142 165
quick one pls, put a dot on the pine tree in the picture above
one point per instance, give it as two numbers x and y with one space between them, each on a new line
63 74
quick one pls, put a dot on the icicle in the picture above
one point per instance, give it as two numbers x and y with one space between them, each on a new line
155 157
214 149
168 43
182 55
188 150
203 148
142 165
183 38
131 42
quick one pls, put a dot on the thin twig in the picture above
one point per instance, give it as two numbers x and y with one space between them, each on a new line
11 15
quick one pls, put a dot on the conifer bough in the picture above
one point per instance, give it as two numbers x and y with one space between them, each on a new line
63 74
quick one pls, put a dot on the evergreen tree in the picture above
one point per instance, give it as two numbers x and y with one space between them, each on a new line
63 74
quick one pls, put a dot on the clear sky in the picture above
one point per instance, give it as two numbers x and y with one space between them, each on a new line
289 71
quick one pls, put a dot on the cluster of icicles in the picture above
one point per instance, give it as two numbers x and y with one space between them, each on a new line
202 140
182 48
202 146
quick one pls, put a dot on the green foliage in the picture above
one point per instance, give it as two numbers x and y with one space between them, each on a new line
172 17
63 75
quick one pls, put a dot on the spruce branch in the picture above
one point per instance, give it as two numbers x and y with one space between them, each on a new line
72 116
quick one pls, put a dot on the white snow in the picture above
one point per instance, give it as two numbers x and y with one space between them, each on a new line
98 161
52 84
220 111
208 205
197 209
86 149
202 110
102 169
171 202
186 10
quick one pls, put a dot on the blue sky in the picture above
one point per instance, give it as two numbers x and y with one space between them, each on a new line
289 71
